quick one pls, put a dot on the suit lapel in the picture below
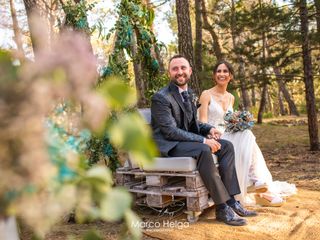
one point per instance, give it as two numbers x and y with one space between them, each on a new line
177 96
194 109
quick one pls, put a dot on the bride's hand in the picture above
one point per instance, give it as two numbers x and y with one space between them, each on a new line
214 133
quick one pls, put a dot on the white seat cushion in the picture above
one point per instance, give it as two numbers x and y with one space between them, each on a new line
176 164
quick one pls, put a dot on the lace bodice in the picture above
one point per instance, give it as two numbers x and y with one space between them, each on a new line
216 114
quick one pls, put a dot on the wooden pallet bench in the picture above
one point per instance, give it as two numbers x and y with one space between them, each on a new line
160 189
169 180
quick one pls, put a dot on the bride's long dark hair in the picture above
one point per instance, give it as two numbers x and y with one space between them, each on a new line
229 66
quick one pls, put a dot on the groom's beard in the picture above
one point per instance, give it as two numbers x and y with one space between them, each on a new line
181 82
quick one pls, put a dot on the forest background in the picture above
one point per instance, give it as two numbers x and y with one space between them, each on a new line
90 58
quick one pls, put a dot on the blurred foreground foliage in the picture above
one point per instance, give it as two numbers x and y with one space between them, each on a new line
44 165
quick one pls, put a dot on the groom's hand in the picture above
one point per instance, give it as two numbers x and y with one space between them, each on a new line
214 133
213 144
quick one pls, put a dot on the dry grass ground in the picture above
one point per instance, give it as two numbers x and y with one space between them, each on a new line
284 143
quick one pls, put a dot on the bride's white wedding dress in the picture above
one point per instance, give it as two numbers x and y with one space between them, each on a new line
250 164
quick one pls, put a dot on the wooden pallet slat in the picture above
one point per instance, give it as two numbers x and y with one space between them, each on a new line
194 182
156 180
122 179
197 203
156 200
157 190
141 172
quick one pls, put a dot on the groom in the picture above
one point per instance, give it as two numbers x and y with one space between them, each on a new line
178 134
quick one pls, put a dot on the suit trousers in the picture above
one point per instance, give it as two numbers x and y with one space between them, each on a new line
221 182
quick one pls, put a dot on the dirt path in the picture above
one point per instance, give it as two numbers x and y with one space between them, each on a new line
299 219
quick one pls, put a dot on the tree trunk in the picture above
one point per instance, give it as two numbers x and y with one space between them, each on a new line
185 39
138 75
308 78
198 43
17 33
215 40
282 110
160 61
241 69
39 37
253 93
264 93
157 53
292 106
243 84
269 105
52 19
317 4
263 103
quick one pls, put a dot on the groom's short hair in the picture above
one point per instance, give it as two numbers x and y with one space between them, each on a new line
178 56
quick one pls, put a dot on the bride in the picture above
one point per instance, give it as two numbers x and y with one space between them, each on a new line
252 171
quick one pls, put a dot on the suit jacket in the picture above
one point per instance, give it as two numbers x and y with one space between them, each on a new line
169 120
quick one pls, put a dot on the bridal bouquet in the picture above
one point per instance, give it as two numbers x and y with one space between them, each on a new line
238 121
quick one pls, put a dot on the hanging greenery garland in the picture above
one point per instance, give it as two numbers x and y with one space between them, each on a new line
134 25
76 15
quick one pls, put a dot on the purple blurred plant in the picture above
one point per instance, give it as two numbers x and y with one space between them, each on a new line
29 95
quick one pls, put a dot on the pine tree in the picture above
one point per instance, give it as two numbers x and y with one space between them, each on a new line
198 39
185 39
308 77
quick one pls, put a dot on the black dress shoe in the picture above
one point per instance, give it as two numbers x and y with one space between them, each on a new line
228 216
241 211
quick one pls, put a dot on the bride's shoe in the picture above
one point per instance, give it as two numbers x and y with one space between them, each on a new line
257 187
269 200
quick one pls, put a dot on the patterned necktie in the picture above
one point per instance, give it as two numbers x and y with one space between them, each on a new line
187 104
